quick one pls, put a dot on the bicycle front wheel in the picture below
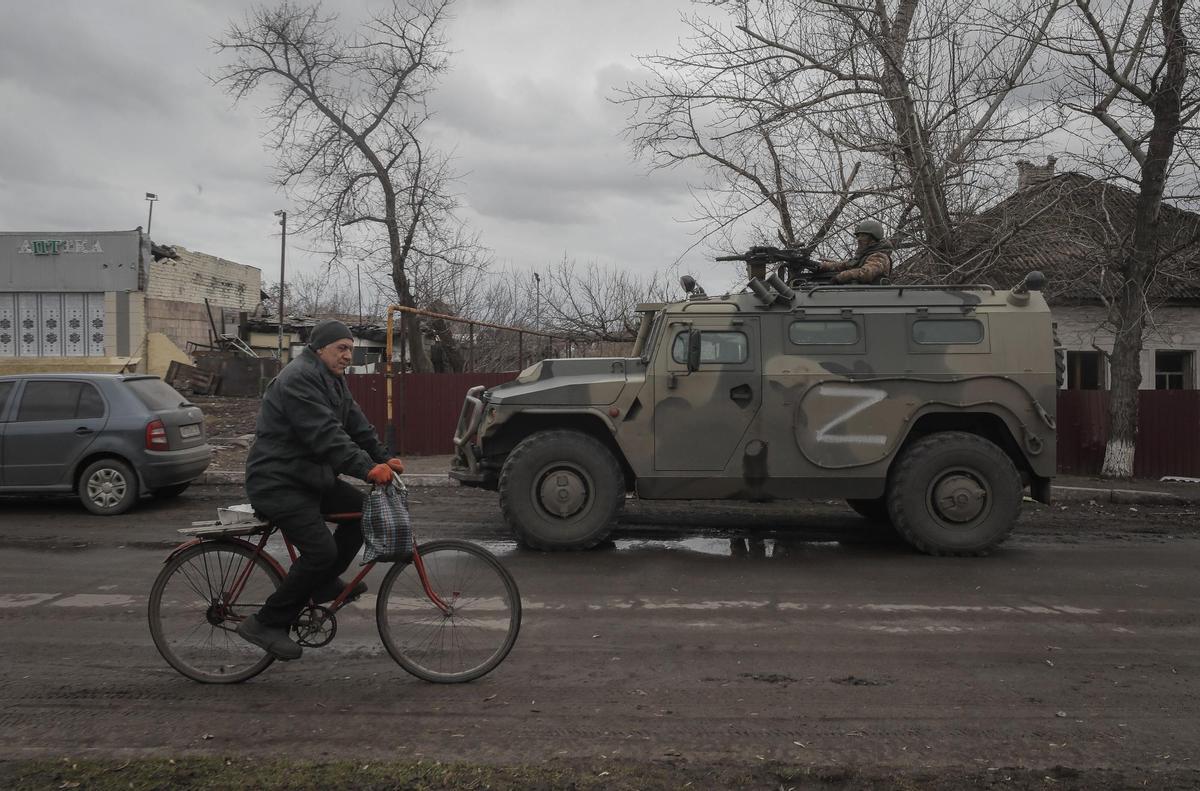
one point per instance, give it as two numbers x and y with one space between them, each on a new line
476 631
198 601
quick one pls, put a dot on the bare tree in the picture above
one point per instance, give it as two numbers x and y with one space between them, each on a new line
596 303
1128 63
348 112
785 99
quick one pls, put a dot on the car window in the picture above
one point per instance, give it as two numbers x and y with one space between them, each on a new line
944 331
836 332
715 347
49 401
5 389
90 402
155 393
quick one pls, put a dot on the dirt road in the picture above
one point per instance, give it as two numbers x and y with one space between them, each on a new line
703 635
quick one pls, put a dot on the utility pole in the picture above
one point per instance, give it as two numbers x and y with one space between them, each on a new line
150 197
282 215
537 287
358 273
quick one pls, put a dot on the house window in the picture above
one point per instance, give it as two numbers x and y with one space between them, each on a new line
1172 370
1085 371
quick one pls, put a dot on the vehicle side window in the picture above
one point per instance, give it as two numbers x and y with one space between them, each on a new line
6 388
838 332
715 347
947 331
90 402
49 401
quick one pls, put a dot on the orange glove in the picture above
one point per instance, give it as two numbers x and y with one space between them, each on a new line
380 474
396 465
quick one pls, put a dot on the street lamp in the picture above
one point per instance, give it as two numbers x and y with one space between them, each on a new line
150 197
282 215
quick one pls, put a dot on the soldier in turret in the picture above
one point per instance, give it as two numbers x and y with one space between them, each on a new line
872 259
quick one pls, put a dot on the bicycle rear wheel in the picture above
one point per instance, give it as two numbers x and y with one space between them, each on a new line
193 621
468 641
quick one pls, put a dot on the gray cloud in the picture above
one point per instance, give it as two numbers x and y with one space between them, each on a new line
105 101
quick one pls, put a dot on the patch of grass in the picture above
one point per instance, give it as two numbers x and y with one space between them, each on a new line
250 774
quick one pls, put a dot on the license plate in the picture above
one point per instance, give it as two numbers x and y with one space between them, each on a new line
187 432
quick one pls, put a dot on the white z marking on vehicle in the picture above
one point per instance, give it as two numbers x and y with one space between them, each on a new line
866 398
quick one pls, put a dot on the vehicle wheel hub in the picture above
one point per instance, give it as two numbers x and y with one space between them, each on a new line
106 487
563 493
959 498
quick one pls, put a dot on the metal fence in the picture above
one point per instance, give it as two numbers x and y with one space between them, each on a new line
1168 432
427 407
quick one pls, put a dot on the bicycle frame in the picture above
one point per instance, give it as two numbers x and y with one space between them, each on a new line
260 549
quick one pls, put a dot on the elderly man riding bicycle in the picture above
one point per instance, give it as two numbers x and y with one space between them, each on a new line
310 430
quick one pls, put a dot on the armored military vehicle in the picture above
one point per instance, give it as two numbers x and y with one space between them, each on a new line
927 407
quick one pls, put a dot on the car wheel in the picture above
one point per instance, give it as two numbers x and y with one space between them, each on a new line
561 490
954 493
167 492
108 487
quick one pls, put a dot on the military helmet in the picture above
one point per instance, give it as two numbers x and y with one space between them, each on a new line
871 228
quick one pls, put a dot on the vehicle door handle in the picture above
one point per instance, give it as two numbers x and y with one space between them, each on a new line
741 395
83 431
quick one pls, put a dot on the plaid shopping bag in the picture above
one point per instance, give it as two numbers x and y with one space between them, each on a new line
386 525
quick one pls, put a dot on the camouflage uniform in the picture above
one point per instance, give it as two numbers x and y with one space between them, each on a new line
866 268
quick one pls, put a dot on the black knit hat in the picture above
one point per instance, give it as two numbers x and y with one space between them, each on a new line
327 332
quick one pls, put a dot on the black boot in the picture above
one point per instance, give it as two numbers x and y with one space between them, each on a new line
272 639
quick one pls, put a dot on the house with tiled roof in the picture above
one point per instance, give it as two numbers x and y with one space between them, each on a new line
1070 227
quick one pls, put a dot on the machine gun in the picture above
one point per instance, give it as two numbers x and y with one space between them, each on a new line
792 265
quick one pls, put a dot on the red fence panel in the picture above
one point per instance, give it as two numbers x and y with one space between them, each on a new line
426 406
1168 432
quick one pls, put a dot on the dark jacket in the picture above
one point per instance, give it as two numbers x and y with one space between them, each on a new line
309 430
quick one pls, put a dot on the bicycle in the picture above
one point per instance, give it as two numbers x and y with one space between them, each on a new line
449 615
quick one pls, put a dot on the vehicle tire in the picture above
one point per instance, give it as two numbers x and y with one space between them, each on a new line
872 510
954 493
169 492
108 487
561 489
193 624
465 642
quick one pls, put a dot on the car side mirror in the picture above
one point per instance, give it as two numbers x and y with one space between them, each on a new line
693 351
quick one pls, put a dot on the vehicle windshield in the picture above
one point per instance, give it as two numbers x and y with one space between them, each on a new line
156 394
652 338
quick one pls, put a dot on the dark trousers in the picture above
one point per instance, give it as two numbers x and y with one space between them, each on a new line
323 554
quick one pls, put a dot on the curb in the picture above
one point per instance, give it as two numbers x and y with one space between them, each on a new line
1082 494
235 478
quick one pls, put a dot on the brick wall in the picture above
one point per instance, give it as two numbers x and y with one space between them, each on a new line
196 276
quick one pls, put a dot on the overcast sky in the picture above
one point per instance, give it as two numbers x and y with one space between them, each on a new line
105 101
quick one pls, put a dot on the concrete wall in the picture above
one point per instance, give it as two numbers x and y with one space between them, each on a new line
180 321
1174 328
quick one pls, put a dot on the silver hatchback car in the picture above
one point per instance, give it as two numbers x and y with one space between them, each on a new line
109 438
